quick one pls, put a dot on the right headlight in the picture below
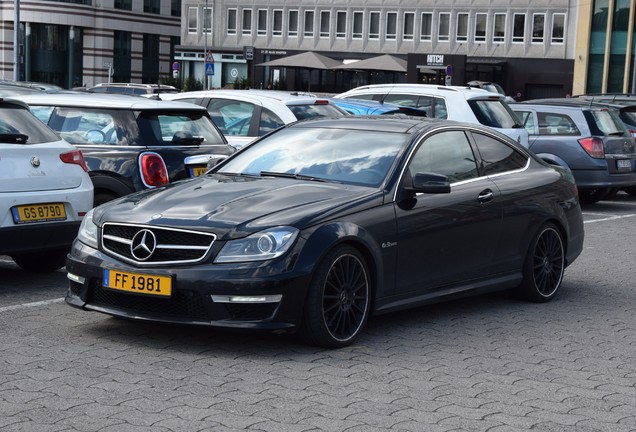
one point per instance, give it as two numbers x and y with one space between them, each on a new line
263 245
87 233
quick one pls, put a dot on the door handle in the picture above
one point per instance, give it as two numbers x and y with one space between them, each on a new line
485 196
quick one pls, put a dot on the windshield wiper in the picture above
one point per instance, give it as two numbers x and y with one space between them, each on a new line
291 175
14 138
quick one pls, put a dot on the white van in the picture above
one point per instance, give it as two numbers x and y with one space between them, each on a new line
471 105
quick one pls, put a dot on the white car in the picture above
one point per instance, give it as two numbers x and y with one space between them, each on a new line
45 190
466 104
244 115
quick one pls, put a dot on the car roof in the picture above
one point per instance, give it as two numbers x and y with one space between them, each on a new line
274 95
466 91
568 102
401 124
104 100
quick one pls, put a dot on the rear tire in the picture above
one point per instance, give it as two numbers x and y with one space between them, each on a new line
41 262
630 190
591 196
339 299
544 265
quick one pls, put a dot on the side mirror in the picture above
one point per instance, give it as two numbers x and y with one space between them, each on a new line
429 183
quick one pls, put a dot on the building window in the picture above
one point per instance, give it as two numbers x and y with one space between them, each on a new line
462 27
391 26
246 28
341 24
374 25
123 4
443 30
426 30
152 6
175 8
558 28
261 24
150 59
122 43
481 21
519 28
325 24
232 21
292 23
277 25
499 28
207 20
309 24
408 28
358 19
538 21
193 20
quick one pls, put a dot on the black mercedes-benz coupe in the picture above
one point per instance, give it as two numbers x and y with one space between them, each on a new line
322 223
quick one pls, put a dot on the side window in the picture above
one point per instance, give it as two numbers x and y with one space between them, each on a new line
556 124
527 120
269 122
230 116
42 112
402 99
448 153
440 108
364 96
498 157
84 127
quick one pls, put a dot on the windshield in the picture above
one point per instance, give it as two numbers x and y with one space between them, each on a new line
19 126
340 155
179 128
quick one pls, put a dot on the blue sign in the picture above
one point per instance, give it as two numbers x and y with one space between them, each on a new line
209 69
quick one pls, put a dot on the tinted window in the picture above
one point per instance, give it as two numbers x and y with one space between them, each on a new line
93 125
498 157
269 122
191 128
18 125
493 113
303 112
447 153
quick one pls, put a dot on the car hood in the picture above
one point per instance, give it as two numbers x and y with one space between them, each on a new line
236 206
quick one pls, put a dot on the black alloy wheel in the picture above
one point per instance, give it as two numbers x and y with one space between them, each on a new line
338 301
544 265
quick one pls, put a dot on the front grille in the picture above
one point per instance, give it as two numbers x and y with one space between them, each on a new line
183 304
158 245
250 312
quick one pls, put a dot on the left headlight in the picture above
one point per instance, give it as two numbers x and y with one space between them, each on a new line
87 233
263 245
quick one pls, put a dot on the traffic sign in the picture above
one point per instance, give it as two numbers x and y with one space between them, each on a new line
209 69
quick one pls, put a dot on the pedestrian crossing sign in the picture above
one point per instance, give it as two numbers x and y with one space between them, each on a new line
209 69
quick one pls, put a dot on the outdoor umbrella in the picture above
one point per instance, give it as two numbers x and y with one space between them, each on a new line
386 62
307 60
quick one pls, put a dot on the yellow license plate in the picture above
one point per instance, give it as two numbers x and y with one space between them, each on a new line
197 171
39 213
138 283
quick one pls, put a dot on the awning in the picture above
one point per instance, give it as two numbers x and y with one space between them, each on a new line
386 62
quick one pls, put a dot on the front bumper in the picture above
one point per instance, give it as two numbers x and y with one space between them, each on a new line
256 296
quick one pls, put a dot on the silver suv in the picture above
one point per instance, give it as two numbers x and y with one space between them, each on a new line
466 104
590 139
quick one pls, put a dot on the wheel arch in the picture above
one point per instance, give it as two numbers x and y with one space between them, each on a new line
106 183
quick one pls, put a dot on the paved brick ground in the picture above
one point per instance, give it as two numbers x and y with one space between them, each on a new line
483 364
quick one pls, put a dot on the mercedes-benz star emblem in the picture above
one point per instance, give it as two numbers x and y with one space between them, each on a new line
143 245
35 161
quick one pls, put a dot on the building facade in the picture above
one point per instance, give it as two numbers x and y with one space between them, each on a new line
85 42
605 51
527 47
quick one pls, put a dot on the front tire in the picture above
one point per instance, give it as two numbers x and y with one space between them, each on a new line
41 262
339 299
544 265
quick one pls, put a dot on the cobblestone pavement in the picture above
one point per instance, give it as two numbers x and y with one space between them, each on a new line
482 364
